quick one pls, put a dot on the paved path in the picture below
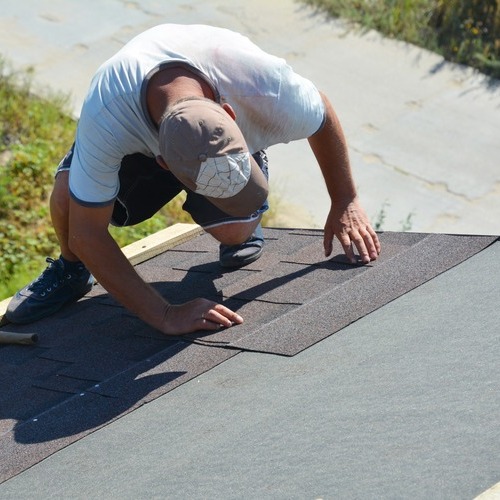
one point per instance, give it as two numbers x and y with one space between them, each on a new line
424 134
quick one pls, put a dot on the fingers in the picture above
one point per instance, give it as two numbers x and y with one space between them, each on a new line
350 224
328 240
375 250
198 314
219 316
365 241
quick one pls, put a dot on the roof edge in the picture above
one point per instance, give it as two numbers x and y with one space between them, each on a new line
143 249
492 493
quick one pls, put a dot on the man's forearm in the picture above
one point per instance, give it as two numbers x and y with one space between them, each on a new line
330 149
346 220
115 273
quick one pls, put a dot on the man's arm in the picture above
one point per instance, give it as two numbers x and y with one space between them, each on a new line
90 240
347 219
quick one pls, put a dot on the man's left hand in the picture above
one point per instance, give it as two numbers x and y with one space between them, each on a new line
349 223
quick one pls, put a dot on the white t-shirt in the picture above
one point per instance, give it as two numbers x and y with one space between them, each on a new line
272 103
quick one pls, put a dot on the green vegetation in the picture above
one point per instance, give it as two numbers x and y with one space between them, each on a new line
378 223
463 31
33 133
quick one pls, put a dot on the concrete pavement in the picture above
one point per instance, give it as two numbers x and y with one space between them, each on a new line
423 134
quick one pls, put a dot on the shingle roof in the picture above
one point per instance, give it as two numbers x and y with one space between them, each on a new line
95 362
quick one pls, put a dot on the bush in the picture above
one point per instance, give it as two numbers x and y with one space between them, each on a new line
34 133
463 31
468 31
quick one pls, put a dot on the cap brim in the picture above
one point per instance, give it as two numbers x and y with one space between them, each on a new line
249 199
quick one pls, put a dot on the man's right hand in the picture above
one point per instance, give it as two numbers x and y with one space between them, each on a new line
198 314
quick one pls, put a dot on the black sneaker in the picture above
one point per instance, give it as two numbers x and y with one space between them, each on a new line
53 289
244 254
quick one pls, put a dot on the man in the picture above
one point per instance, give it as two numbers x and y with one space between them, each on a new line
185 108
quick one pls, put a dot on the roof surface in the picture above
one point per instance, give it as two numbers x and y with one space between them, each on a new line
399 402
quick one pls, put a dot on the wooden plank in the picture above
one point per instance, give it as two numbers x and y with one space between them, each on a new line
3 309
159 242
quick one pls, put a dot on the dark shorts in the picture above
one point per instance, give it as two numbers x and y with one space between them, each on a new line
145 188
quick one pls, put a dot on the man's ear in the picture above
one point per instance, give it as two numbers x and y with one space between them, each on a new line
161 162
229 110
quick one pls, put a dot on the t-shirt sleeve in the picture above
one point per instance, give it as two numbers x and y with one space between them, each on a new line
299 107
93 178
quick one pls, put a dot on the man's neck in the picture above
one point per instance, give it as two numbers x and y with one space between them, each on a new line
170 85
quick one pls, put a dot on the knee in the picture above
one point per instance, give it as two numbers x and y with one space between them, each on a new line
233 233
59 198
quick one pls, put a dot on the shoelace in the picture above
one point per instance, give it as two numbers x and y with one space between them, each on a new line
50 279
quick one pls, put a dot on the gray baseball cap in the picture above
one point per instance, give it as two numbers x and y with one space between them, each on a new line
204 148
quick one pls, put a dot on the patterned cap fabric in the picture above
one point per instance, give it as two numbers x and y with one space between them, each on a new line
204 148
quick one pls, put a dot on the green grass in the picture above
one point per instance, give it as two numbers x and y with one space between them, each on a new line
463 31
33 134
